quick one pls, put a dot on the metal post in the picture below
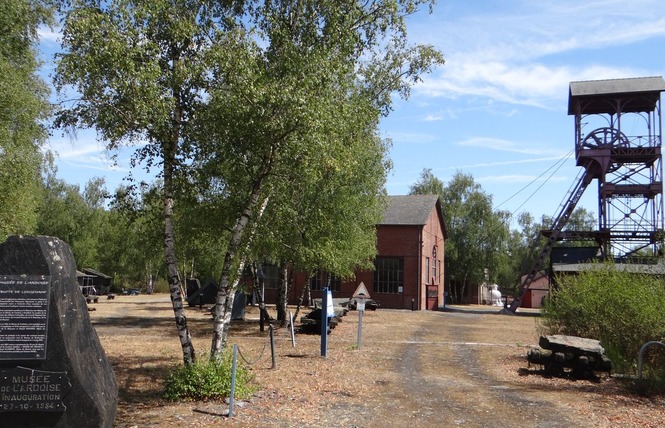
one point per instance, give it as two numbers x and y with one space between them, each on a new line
640 355
324 322
262 304
360 328
272 345
293 334
233 379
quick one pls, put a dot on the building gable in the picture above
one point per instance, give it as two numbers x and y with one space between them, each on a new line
412 210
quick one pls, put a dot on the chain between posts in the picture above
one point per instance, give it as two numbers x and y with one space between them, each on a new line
257 360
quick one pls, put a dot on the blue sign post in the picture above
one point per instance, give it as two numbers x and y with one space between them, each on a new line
324 322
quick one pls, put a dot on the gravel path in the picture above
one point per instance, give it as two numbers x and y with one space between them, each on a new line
444 383
414 369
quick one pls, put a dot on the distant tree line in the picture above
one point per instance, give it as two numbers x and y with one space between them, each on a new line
480 238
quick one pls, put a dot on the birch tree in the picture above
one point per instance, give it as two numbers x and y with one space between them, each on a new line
316 75
137 72
235 93
24 106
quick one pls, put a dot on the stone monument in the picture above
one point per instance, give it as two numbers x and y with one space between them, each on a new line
53 369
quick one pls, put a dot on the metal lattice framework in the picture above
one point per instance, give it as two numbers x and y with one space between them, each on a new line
618 140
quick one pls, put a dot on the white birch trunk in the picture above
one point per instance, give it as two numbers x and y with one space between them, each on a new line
228 283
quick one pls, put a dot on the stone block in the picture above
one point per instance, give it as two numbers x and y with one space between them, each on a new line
73 370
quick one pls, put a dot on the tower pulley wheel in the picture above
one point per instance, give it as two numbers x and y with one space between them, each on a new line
605 137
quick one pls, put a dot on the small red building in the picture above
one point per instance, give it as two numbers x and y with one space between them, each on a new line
409 265
538 290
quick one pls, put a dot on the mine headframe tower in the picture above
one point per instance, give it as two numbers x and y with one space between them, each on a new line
618 140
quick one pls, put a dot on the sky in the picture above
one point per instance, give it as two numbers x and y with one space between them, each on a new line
496 110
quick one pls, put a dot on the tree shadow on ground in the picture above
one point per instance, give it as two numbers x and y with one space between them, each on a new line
141 379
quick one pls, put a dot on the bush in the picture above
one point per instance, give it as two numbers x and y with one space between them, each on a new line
621 309
160 285
208 380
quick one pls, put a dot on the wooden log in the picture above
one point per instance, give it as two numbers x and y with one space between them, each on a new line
538 354
557 361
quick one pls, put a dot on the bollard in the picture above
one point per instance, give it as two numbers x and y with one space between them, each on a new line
360 329
261 317
640 355
272 345
233 380
324 322
413 303
293 333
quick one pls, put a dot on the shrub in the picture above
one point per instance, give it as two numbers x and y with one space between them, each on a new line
621 309
208 380
160 285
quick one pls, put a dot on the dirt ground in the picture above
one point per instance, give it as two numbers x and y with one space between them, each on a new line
412 369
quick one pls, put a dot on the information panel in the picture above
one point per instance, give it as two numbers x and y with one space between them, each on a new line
24 302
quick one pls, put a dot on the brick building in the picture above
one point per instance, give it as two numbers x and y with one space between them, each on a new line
409 265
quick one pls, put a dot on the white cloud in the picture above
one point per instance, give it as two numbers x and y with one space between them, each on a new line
410 137
505 163
50 35
501 145
535 84
86 152
75 150
506 55
433 118
519 178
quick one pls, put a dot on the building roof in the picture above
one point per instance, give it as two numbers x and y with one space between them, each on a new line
657 269
409 210
595 92
570 255
93 272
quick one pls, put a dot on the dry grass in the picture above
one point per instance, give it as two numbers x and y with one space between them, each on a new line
412 369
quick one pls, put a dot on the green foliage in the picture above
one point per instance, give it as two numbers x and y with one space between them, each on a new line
476 234
64 213
522 245
122 239
621 309
208 379
243 96
142 70
161 286
23 106
427 184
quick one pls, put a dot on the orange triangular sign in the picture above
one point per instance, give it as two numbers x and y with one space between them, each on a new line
361 292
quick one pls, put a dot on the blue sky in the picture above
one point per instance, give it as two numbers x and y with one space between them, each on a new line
496 110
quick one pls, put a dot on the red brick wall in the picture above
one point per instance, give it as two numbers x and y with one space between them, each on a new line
400 241
395 241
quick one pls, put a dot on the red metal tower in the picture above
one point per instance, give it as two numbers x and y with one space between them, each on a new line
618 139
